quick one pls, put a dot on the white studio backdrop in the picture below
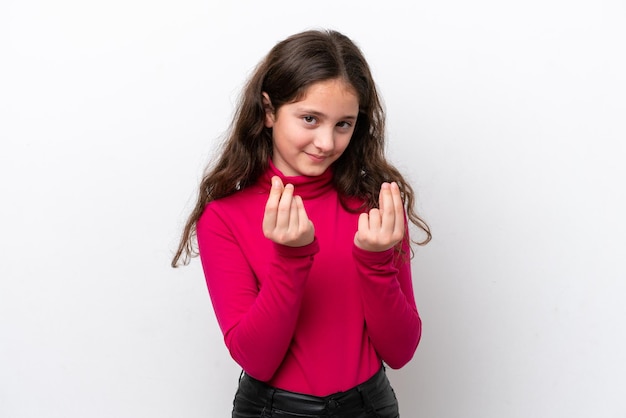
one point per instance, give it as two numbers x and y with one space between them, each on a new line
507 116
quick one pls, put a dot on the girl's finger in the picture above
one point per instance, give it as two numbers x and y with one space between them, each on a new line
375 220
364 222
381 197
388 213
284 207
363 226
303 218
293 214
271 207
398 207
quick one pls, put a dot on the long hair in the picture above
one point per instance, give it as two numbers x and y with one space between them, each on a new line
287 71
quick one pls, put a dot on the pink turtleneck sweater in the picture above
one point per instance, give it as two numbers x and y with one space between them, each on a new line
317 319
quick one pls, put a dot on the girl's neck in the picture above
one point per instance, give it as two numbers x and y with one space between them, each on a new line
304 186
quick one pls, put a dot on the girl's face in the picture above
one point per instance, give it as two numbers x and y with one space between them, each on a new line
310 134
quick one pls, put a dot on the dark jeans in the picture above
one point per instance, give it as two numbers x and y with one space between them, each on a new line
372 399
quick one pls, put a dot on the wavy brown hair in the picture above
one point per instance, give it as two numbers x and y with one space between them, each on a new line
287 71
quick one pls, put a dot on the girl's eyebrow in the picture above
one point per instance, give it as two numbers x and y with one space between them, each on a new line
322 115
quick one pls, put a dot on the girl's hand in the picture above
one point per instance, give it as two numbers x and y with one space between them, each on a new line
382 228
285 221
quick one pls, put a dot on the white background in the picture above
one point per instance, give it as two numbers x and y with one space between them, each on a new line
509 118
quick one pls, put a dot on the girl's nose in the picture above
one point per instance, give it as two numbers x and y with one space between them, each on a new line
325 140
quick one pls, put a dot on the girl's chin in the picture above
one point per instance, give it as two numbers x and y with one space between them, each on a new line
312 171
308 170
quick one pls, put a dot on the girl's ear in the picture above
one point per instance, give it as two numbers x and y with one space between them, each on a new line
269 111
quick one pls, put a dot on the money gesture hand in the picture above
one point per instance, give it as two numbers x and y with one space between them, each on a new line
383 227
285 220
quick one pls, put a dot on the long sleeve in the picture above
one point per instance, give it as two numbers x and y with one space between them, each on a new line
257 315
392 320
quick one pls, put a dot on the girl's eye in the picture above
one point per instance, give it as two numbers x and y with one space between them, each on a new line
309 120
344 125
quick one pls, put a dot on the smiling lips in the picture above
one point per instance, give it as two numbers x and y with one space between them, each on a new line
317 158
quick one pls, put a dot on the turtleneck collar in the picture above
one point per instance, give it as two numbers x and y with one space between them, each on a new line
304 186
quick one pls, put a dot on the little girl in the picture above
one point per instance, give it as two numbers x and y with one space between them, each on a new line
301 230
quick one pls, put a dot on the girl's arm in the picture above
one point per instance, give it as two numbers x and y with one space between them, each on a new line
258 321
391 317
